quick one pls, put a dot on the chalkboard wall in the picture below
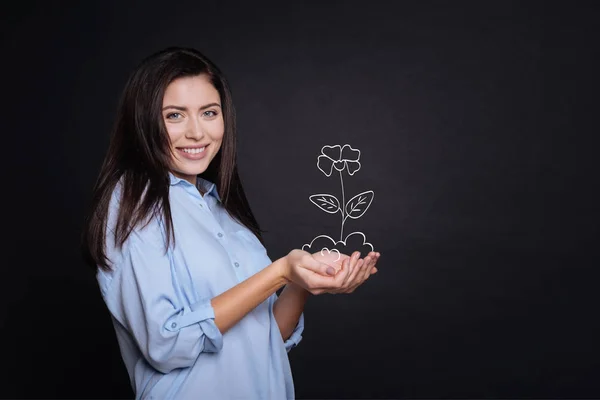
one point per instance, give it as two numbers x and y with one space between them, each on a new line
477 134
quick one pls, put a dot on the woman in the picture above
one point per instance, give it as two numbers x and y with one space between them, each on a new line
179 255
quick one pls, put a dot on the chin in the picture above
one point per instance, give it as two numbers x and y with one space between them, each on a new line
189 166
188 169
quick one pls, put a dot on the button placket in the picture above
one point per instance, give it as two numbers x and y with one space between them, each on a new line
238 272
204 204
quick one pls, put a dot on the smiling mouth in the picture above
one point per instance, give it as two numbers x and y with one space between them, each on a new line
193 150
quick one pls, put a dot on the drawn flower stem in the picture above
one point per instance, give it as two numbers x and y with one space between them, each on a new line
343 207
341 158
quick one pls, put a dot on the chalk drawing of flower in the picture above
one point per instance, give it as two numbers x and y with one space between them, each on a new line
340 158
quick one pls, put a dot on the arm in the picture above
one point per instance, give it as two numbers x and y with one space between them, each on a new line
231 306
288 308
143 294
144 297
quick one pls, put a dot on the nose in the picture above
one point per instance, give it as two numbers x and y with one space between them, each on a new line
195 129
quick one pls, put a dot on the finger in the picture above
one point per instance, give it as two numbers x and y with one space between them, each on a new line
367 270
343 273
352 266
374 257
312 264
358 278
353 277
329 283
349 266
374 268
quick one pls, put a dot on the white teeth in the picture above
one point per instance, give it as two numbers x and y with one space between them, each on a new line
194 151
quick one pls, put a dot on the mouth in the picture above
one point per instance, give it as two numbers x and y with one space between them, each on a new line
192 152
193 149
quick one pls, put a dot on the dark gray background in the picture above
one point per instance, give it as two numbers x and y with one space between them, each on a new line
476 122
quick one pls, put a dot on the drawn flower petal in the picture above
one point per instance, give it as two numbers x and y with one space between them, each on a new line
339 165
333 152
350 154
325 164
353 166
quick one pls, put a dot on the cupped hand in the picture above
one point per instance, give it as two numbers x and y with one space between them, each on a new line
305 270
357 272
333 258
327 273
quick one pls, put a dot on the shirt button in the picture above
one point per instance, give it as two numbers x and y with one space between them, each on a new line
219 234
174 325
236 264
201 206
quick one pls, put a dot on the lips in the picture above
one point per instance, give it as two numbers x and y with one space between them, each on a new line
193 152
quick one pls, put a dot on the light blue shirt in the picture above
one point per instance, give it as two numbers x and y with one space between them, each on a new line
162 314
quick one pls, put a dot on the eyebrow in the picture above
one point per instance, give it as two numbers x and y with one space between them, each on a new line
179 108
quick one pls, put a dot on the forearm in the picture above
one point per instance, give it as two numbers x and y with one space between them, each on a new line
288 308
231 306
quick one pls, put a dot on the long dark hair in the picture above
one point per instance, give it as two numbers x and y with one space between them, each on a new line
139 154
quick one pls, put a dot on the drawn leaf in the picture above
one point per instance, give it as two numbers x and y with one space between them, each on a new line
326 202
358 205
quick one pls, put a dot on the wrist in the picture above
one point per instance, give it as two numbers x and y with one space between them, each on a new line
281 267
299 290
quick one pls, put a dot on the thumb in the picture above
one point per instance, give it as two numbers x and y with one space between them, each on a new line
314 265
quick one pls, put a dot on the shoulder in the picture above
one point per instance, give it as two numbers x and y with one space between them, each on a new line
147 240
148 233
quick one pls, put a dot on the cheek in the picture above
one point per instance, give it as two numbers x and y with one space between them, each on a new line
217 131
175 132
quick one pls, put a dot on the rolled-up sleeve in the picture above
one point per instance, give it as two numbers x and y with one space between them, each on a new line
144 297
296 335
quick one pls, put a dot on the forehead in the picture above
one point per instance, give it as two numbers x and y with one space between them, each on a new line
191 90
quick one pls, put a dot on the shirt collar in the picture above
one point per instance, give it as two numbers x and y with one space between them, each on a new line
207 186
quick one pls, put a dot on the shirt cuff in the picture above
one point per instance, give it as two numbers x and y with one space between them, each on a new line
203 314
296 336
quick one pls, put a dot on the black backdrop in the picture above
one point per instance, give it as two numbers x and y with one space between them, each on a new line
477 133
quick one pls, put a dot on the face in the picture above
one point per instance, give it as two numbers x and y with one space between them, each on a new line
194 121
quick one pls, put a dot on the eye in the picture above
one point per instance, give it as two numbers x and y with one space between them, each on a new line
210 113
174 115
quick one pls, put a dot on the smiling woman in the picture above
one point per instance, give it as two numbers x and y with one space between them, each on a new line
179 256
194 121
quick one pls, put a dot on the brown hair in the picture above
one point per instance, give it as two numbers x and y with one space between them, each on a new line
139 154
